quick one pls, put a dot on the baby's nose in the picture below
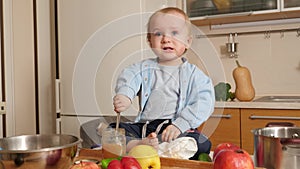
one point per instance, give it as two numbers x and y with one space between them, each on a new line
166 38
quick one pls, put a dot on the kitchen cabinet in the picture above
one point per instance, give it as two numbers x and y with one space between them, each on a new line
223 126
209 12
290 5
211 8
258 118
235 125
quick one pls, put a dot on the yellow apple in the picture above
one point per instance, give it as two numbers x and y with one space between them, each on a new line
146 155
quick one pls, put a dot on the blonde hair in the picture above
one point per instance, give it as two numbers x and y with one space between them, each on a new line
166 11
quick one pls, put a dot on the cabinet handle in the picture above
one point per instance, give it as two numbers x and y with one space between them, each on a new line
57 94
226 116
275 117
228 15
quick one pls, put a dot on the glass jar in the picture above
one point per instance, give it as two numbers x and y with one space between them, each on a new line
113 143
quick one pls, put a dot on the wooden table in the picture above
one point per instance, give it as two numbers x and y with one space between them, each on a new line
166 163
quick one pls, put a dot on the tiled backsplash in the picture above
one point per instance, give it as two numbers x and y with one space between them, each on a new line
274 62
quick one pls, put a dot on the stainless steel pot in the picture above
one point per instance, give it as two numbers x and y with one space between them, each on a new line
277 147
38 151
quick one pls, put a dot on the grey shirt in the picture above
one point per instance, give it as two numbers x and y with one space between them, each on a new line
163 100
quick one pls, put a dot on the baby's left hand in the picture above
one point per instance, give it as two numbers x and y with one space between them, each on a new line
151 140
170 133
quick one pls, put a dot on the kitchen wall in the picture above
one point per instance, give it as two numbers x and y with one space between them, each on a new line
274 62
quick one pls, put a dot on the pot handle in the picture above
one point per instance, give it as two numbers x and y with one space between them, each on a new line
291 141
280 124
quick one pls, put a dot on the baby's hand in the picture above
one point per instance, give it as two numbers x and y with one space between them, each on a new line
170 133
151 140
121 103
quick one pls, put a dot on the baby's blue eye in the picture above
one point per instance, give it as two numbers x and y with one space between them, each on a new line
157 34
174 32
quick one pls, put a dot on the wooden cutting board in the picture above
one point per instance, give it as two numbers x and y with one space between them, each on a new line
166 163
171 163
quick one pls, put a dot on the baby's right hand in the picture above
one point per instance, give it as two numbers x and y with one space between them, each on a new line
121 103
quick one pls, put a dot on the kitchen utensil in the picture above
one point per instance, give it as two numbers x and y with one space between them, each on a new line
232 49
38 151
118 121
277 147
280 124
113 143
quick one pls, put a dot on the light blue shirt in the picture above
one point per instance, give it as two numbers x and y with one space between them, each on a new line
196 98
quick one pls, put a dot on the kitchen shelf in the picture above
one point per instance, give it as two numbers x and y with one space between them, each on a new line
266 32
248 18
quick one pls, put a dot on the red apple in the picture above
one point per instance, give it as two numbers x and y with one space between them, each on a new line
85 165
233 159
115 164
129 162
224 146
53 157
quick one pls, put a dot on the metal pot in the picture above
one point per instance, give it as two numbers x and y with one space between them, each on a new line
277 147
38 151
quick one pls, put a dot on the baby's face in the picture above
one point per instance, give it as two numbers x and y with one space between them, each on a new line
169 36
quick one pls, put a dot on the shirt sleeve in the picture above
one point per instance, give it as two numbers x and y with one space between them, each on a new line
129 81
199 102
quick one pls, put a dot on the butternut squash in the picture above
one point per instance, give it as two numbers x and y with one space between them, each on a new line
244 90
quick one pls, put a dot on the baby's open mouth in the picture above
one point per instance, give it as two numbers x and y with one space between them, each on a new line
168 48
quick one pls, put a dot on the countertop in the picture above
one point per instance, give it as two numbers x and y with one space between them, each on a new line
166 163
258 105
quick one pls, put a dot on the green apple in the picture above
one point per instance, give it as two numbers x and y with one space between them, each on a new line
204 157
146 155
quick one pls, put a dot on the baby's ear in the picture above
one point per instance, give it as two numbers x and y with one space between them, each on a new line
189 42
149 39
